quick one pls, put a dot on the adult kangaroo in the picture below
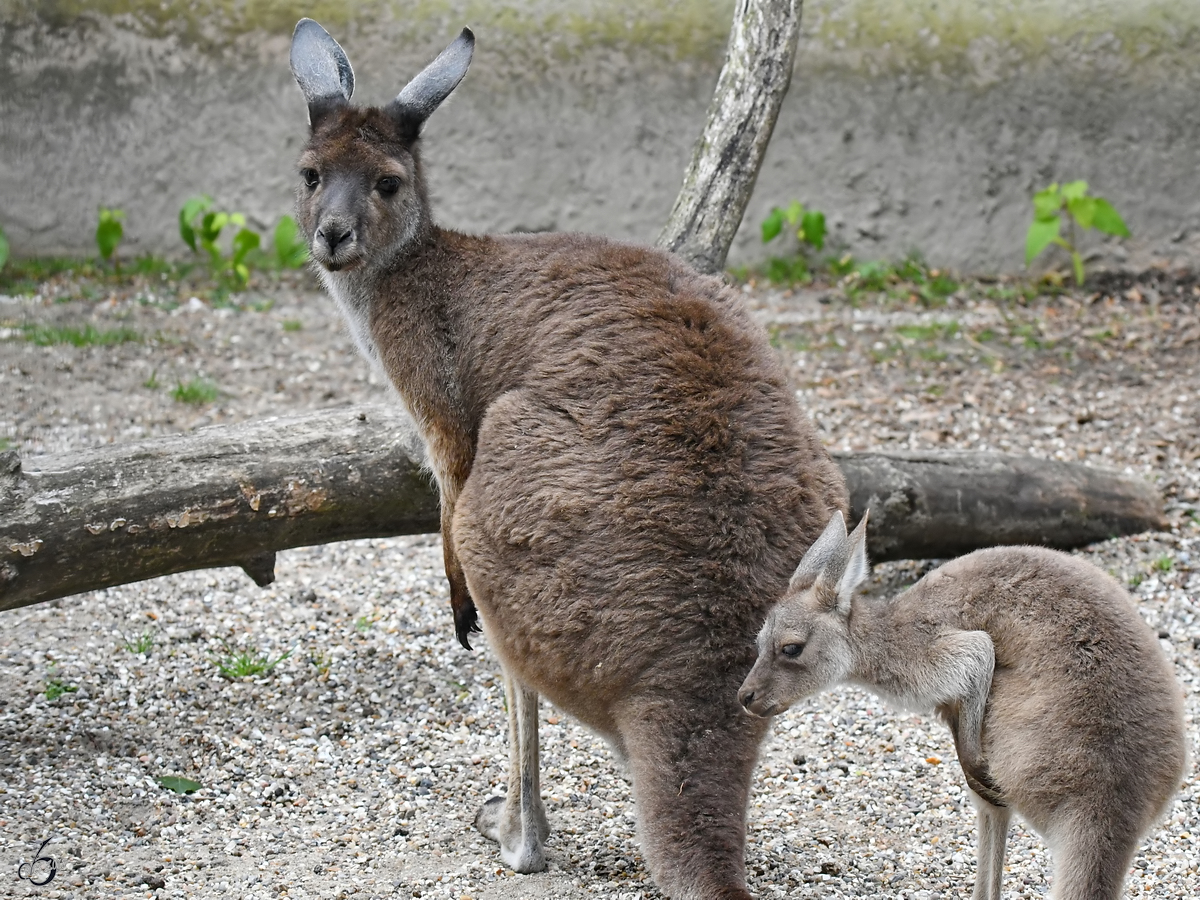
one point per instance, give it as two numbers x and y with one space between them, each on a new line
625 476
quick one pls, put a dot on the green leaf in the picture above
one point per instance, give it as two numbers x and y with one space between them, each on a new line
3 248
793 213
1047 203
109 232
1042 232
178 785
243 242
1083 210
1107 219
290 247
1074 190
772 225
812 228
1077 263
192 207
211 225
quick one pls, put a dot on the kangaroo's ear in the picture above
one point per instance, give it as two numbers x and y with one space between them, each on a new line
433 84
857 567
824 553
321 69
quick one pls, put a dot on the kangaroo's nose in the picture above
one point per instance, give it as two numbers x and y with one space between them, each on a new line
334 233
746 698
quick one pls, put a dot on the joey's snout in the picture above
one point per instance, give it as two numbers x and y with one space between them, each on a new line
753 696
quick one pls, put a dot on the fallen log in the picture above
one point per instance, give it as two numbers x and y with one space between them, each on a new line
235 495
937 505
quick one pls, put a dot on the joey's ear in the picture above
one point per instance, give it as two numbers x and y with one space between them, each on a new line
825 551
433 84
321 69
857 567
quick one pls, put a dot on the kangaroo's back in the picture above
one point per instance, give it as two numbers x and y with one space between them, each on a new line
1084 703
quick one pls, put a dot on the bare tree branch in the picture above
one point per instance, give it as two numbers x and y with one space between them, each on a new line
741 117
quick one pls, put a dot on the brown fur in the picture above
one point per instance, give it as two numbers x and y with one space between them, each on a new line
1081 719
626 480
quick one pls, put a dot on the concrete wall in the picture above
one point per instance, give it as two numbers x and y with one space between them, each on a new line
914 124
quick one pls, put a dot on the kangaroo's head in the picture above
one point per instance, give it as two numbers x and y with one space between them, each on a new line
361 198
804 645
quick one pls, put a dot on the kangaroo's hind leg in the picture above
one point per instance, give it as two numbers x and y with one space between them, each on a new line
517 821
993 833
1092 849
691 762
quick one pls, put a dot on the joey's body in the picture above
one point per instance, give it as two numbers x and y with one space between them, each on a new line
1062 705
625 477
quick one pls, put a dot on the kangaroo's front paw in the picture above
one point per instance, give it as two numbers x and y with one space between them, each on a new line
521 838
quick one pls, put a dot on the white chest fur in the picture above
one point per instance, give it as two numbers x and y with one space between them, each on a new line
354 301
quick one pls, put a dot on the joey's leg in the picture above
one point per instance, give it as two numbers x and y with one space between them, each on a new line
993 832
517 821
1092 845
466 618
691 760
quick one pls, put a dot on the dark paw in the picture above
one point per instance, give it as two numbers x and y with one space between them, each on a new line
466 620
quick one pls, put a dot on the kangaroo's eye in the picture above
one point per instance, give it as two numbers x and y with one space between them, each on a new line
388 185
311 178
791 651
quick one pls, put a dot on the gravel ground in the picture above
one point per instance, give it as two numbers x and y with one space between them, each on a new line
355 766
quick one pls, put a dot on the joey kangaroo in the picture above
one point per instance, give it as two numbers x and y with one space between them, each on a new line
624 474
1061 704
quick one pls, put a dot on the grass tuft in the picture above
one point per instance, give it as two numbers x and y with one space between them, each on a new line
197 391
245 663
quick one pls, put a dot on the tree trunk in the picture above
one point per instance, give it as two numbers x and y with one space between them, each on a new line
234 495
741 117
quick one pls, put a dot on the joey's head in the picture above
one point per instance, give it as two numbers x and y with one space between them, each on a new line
361 197
804 645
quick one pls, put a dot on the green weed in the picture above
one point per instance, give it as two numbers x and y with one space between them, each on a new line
56 687
245 663
292 325
363 624
3 249
142 644
808 228
1163 564
110 230
1070 203
197 391
88 336
178 785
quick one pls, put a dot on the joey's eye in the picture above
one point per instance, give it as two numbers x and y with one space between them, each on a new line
791 651
388 185
310 176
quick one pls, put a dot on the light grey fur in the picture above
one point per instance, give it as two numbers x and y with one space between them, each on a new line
1062 706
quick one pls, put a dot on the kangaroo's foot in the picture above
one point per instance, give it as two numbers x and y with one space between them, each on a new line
520 833
517 822
691 764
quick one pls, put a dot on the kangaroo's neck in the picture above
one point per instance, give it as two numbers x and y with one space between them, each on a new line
412 318
878 646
